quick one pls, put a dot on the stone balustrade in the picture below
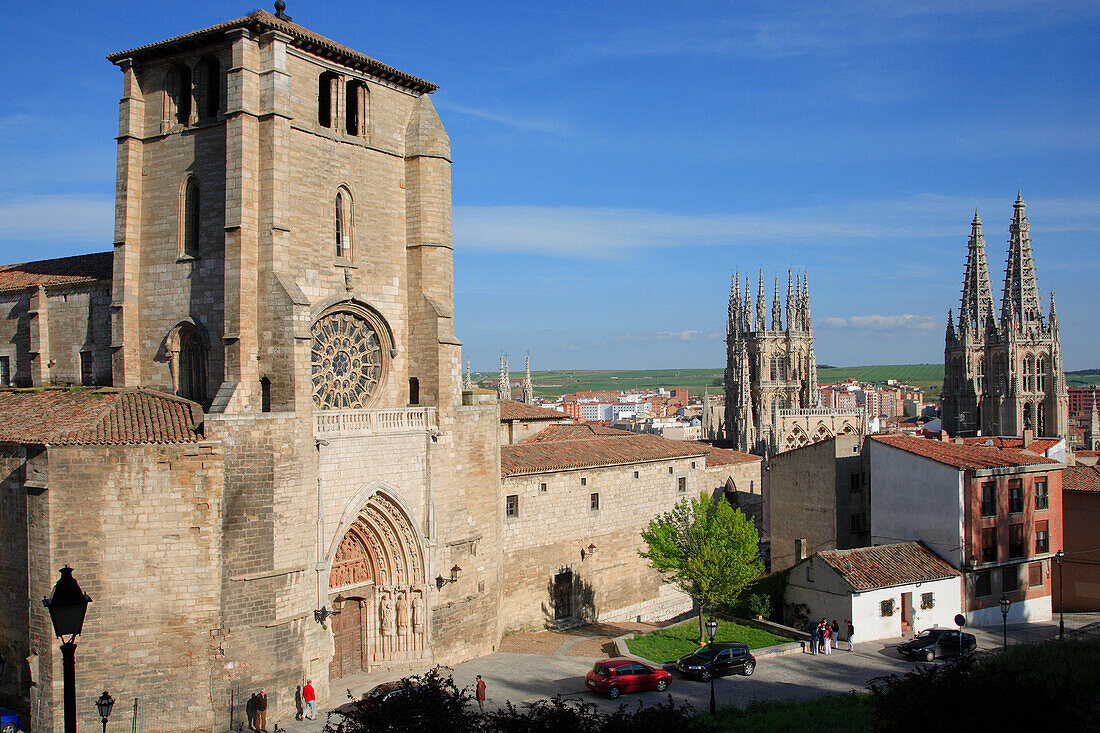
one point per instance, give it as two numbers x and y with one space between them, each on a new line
348 423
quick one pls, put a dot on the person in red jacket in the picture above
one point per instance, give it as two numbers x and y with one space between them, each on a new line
480 693
310 698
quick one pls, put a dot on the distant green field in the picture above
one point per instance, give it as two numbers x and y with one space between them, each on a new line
555 383
1083 378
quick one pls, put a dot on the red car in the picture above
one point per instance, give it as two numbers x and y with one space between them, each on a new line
613 677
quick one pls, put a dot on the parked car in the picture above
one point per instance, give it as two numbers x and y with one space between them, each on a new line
9 721
932 643
613 677
728 657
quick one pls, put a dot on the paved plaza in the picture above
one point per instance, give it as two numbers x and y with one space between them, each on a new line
540 665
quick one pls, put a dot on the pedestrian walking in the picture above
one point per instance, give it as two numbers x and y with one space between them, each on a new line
815 638
310 697
851 633
836 632
480 694
261 711
826 632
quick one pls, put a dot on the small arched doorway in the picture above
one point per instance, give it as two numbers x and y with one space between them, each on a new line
378 569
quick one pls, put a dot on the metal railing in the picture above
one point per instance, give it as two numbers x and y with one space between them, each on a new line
346 423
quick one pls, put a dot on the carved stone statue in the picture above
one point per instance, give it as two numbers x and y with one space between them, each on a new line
386 610
418 613
402 612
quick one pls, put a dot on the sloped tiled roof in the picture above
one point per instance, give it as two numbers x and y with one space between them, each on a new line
1038 445
96 417
963 455
580 431
533 456
1081 478
62 271
868 568
515 410
725 457
262 21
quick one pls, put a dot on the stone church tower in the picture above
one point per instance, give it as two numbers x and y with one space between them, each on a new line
770 367
1001 378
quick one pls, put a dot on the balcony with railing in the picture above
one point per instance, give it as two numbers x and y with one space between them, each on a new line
354 423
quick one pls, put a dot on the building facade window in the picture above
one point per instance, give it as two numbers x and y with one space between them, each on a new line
210 75
5 371
327 86
635 474
511 505
87 368
594 502
178 95
343 223
1042 536
989 499
192 366
584 481
927 601
190 219
356 107
682 485
1042 495
1015 496
542 487
989 544
1010 578
1016 540
983 585
1034 574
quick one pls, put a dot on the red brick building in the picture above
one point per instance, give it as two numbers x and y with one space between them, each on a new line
1081 509
1081 400
993 512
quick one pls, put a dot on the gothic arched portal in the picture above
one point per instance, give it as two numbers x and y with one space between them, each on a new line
378 570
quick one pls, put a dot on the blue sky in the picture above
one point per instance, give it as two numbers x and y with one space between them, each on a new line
615 162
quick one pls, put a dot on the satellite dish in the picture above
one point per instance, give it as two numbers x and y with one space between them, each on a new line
960 620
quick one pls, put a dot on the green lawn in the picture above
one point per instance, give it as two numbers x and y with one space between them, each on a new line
673 642
850 713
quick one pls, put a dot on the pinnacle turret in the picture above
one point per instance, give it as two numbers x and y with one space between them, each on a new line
528 387
1020 302
504 386
777 309
950 326
761 305
733 325
807 321
977 297
468 382
790 301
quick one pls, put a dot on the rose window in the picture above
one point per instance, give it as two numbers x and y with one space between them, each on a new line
347 361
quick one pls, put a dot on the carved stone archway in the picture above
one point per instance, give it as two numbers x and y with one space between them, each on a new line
378 569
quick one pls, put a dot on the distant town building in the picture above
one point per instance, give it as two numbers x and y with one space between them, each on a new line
1001 378
1081 512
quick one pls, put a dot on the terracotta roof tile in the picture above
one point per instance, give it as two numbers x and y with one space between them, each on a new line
96 417
557 455
963 455
62 271
514 410
1038 445
868 568
1081 478
580 431
725 457
261 21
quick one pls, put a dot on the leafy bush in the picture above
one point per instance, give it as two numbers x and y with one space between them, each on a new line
773 587
428 702
760 605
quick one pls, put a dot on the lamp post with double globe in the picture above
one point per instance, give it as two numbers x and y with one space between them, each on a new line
1059 556
712 629
67 607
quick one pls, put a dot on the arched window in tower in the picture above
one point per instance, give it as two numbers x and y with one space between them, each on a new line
981 379
1029 374
357 103
343 223
1040 419
192 366
210 77
190 219
1029 421
326 98
179 94
1041 374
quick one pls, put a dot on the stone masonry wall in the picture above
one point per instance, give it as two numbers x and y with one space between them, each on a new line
555 525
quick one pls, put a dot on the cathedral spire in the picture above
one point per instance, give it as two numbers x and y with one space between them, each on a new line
733 325
977 298
746 304
1053 314
761 305
777 309
1020 302
504 386
468 383
528 388
790 300
807 322
950 326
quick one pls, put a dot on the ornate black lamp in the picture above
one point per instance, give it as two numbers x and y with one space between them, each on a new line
104 705
1059 556
440 581
67 607
712 629
1004 603
322 614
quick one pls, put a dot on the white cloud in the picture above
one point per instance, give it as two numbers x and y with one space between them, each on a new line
520 122
65 218
905 324
610 233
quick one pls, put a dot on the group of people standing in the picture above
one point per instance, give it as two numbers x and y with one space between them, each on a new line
826 636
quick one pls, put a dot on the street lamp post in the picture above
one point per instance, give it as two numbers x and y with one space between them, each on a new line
1059 556
712 629
1004 603
104 705
67 607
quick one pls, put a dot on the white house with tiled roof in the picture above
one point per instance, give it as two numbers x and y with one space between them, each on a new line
886 591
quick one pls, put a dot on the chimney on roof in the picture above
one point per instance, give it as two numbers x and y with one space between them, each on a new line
800 549
1029 435
943 436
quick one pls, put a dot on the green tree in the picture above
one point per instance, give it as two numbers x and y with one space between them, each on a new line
707 548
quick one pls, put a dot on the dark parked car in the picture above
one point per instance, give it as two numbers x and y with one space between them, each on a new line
9 721
729 658
613 677
932 643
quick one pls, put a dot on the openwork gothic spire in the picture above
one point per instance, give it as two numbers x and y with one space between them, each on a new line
790 301
528 387
761 305
976 311
468 382
733 324
1020 302
504 386
777 309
